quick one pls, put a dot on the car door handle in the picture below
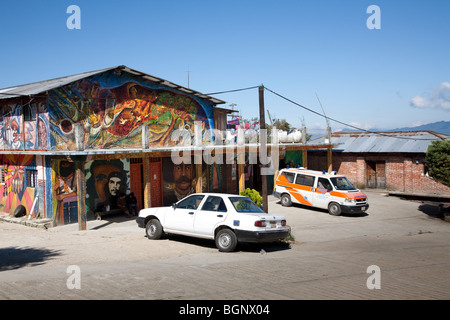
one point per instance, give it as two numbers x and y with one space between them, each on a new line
220 215
192 212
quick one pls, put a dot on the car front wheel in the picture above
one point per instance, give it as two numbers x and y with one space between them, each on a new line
153 229
226 240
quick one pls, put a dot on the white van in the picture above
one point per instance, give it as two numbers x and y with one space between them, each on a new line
319 189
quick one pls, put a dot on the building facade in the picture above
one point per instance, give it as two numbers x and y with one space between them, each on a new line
394 161
73 148
93 122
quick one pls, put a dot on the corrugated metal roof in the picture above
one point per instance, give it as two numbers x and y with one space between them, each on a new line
386 142
36 88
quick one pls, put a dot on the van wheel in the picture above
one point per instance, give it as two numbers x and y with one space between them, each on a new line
286 200
334 209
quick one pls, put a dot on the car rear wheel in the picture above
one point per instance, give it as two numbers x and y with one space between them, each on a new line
334 209
286 200
153 229
226 240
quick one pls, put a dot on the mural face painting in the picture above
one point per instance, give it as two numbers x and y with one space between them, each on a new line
113 110
107 184
179 181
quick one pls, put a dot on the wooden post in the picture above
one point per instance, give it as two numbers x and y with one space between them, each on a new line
330 158
147 177
81 191
263 147
305 158
275 152
80 177
241 158
198 158
199 175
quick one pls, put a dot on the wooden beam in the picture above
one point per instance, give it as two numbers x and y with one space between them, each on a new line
263 147
147 179
305 158
81 192
199 175
330 158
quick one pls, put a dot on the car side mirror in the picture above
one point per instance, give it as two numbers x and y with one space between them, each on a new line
174 206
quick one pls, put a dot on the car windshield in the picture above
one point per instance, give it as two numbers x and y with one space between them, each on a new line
342 183
243 204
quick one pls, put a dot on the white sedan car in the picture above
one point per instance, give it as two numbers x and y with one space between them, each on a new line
225 218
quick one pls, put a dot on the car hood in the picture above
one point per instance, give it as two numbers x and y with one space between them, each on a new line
153 211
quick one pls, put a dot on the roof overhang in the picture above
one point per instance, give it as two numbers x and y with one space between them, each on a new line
41 87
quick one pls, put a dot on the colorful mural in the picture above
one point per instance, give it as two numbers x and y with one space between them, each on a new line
17 187
179 181
20 132
64 192
113 108
107 184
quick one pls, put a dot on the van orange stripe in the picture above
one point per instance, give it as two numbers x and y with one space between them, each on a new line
283 182
299 197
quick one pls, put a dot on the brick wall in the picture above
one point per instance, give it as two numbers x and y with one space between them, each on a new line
404 173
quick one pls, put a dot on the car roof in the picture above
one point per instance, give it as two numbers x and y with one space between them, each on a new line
313 172
219 194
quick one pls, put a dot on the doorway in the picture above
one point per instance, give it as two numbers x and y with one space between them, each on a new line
376 174
136 182
156 182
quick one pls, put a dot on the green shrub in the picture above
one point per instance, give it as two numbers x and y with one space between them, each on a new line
438 161
253 195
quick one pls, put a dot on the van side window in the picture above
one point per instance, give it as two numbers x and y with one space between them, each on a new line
305 180
324 183
289 175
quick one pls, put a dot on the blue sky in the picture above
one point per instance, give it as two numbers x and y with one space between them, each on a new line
391 77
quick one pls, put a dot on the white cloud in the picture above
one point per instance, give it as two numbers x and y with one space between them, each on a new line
438 99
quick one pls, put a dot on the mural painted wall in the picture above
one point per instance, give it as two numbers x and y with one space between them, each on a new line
65 207
180 180
24 126
107 184
19 186
113 108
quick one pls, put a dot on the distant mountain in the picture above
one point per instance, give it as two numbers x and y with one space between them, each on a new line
438 127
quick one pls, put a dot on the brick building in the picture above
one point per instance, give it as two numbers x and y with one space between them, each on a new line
394 161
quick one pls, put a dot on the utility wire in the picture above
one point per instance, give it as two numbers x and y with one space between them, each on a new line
293 102
235 90
343 123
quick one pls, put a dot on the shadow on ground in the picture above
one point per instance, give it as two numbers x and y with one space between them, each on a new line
241 247
16 257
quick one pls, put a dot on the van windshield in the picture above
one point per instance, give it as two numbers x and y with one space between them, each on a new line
342 183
